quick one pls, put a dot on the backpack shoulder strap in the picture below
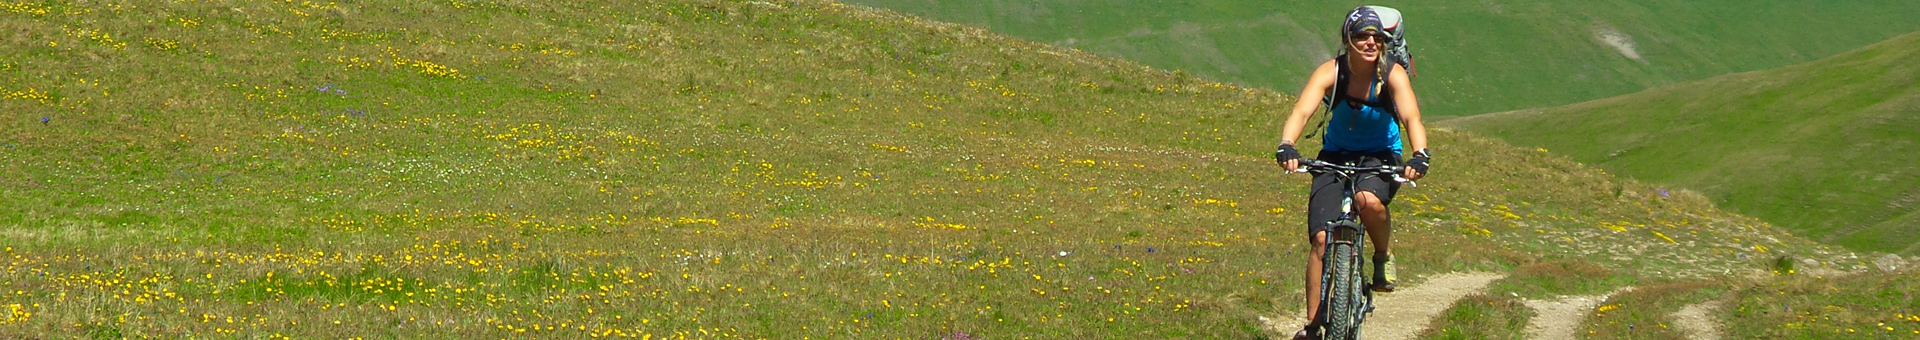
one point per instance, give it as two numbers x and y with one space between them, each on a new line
1338 93
1334 96
1384 98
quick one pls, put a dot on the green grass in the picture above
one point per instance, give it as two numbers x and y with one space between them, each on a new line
1498 312
1823 148
1481 316
1647 311
1553 279
1873 304
697 168
1474 56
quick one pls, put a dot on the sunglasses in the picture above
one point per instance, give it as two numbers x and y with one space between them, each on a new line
1376 38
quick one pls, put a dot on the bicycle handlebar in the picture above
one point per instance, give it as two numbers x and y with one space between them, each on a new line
1393 171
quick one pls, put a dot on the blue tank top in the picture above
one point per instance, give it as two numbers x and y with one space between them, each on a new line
1358 127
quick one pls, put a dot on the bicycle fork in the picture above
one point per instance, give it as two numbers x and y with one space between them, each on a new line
1345 245
1344 235
1355 235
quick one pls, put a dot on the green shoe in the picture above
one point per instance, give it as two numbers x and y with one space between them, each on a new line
1383 273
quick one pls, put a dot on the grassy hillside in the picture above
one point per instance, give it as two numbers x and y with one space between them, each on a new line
1875 304
705 169
1475 56
1826 148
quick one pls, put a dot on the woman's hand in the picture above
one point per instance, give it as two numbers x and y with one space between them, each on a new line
1417 166
1287 157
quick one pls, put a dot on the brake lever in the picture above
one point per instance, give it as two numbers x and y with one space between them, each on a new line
1401 179
1303 167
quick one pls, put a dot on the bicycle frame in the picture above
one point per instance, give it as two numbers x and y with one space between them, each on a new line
1342 261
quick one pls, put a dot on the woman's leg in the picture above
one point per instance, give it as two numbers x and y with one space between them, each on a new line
1313 274
1373 213
1323 206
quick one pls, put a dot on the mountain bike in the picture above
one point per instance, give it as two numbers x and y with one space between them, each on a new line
1345 300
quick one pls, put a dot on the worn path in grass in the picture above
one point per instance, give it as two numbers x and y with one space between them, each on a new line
1697 321
1402 314
1558 319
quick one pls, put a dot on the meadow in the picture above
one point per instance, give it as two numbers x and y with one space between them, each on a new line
700 169
1822 148
1473 57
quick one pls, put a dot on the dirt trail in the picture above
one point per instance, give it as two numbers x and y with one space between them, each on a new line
1404 313
1559 319
1696 321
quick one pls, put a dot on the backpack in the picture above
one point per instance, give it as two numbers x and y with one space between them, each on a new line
1396 50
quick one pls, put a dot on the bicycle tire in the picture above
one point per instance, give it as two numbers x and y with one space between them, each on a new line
1343 300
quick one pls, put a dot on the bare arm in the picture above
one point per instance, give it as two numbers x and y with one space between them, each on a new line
1308 102
1409 108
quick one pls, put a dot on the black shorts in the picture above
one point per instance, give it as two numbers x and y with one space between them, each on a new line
1323 202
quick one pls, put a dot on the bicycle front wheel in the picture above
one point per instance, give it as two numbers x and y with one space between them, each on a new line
1343 302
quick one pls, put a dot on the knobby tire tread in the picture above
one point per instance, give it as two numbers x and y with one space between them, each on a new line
1343 294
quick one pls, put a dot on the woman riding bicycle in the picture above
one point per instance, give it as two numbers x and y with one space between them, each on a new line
1364 129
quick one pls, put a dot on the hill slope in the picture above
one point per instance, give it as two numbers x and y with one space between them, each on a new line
1826 148
1474 56
400 169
